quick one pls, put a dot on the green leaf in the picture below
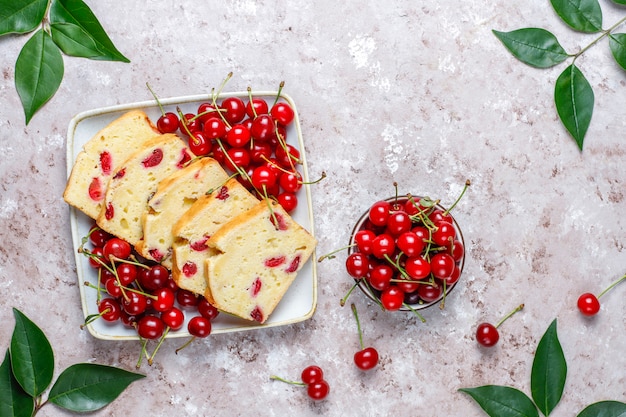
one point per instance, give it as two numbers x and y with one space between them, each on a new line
21 16
574 100
14 402
74 41
604 409
32 359
38 72
582 15
78 13
533 46
88 387
501 401
620 2
549 370
617 42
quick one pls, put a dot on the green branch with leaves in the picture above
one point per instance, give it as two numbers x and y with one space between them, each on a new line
56 27
28 369
547 383
573 95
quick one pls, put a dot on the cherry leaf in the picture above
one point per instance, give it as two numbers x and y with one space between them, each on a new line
76 12
582 15
617 43
619 2
574 101
549 370
501 401
14 402
31 355
604 409
86 387
21 16
73 40
533 46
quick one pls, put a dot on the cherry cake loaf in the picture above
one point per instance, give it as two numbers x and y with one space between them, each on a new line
195 228
174 196
256 257
101 156
134 182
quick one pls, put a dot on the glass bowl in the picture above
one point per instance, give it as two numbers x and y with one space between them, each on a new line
412 300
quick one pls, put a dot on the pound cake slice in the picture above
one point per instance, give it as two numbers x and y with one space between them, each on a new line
256 257
174 196
134 182
101 156
195 228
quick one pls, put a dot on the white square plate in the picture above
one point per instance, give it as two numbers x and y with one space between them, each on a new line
299 302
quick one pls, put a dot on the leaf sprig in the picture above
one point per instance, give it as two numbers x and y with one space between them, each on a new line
547 382
539 48
28 369
65 27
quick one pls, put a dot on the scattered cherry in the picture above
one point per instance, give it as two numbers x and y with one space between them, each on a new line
366 358
487 334
312 377
589 304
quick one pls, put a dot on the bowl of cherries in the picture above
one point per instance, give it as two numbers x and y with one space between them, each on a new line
406 253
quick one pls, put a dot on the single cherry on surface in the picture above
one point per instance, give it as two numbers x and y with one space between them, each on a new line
366 358
488 335
589 304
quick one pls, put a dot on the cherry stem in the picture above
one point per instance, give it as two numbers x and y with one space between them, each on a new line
331 255
277 378
358 326
612 285
423 320
280 89
342 302
505 318
449 209
151 358
187 343
156 99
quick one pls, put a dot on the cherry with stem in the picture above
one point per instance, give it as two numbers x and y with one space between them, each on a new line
366 358
589 304
487 334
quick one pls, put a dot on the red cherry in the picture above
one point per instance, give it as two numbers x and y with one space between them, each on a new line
588 304
383 245
256 107
444 234
199 144
380 277
398 222
109 309
487 334
410 244
173 318
168 123
238 136
392 298
263 128
235 109
363 239
442 265
134 303
379 213
165 299
263 176
429 293
98 237
417 267
318 390
366 359
150 327
357 265
312 374
207 310
282 113
288 201
290 181
116 247
127 273
199 326
287 157
214 128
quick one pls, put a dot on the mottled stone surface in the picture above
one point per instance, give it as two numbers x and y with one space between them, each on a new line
419 93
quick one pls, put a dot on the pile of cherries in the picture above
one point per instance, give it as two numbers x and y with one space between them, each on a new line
407 252
248 138
141 294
